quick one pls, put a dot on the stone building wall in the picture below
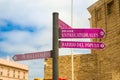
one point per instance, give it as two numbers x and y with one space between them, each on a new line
84 67
106 14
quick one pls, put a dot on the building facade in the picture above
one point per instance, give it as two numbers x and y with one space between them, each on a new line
100 64
105 14
12 71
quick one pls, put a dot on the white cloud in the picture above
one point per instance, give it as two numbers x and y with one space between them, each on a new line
32 12
22 41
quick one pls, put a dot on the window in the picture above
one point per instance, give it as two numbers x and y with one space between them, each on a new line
1 72
14 73
23 75
110 7
8 72
18 74
98 14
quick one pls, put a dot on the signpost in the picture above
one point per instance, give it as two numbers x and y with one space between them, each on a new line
29 56
82 33
64 31
86 45
55 53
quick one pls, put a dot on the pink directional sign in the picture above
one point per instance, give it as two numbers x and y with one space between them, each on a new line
87 45
34 55
81 33
63 25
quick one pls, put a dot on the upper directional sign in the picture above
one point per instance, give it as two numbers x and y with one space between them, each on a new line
82 33
34 55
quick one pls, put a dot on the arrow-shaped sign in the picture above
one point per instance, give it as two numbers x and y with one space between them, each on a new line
63 25
34 55
86 45
82 33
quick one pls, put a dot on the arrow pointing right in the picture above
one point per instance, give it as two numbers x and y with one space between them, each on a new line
82 33
85 45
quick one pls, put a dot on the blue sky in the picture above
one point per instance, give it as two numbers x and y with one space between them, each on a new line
26 26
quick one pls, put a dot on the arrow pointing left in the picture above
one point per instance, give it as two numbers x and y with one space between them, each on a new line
30 56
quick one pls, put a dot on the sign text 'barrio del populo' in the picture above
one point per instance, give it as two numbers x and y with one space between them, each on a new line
87 45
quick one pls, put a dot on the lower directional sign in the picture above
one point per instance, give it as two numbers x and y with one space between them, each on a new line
87 45
34 55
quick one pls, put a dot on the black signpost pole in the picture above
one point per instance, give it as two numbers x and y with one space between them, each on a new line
55 54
